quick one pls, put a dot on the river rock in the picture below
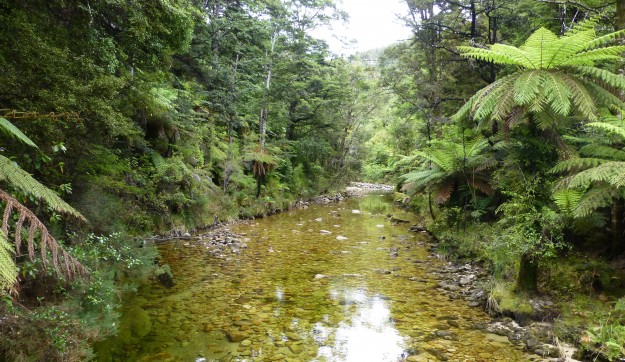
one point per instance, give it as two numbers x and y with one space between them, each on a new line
341 237
325 232
235 336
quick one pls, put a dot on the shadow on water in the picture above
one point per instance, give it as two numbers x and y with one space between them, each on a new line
360 291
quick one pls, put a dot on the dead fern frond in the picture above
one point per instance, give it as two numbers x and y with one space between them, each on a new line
71 266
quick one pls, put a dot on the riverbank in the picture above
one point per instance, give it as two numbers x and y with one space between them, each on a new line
533 330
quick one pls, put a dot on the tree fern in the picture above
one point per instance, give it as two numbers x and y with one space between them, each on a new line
447 164
555 74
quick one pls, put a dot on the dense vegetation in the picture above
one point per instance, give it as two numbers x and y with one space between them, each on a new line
500 121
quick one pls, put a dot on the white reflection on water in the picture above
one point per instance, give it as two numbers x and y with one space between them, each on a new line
369 334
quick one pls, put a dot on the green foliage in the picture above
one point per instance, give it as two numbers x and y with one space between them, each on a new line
450 164
557 75
10 130
8 271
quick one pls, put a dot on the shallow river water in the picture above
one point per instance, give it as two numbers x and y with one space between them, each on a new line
360 293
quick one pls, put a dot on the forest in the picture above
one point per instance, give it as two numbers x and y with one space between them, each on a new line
499 122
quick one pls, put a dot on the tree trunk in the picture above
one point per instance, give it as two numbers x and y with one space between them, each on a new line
527 279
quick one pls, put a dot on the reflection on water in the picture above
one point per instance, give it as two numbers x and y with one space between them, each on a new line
368 335
322 284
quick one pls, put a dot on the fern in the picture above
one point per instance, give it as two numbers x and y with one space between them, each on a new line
8 271
23 181
576 164
10 130
58 255
603 152
567 200
556 74
593 199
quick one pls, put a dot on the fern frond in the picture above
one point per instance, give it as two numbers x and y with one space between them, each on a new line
582 99
612 79
604 152
588 24
464 111
605 39
23 181
527 86
618 178
567 47
605 172
486 104
609 127
488 55
557 93
607 99
567 200
576 164
593 199
444 192
50 249
8 270
588 58
10 130
535 47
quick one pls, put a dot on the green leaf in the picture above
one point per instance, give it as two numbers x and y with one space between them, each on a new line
9 129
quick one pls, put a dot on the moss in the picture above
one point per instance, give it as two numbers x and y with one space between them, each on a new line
509 302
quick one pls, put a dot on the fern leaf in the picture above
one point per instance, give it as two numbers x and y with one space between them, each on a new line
614 80
605 39
588 58
464 111
23 181
609 127
527 86
8 270
567 200
557 93
588 24
10 130
444 192
582 99
605 152
593 199
487 55
606 99
577 164
567 48
46 241
605 172
536 47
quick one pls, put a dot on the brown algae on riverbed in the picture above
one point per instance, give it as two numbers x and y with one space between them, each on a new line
358 293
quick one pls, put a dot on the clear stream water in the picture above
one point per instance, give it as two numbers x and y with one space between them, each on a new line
361 293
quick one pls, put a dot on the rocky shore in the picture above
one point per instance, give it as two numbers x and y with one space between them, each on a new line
463 282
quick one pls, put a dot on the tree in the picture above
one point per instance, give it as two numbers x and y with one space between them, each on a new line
556 78
448 165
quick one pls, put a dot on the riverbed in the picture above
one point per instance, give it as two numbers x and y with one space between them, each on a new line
339 282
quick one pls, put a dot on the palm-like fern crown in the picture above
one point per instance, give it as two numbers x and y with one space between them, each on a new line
556 77
445 163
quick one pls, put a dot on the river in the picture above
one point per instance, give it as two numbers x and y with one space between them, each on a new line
334 282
